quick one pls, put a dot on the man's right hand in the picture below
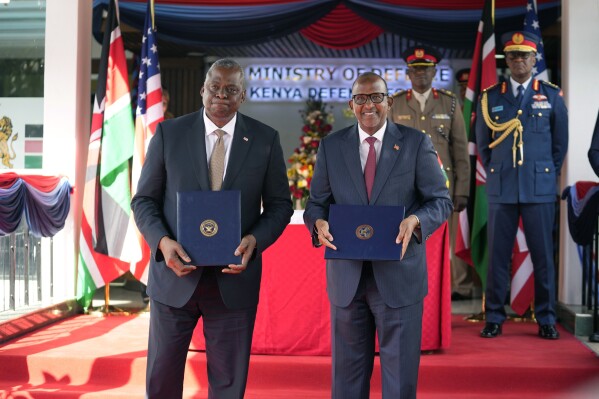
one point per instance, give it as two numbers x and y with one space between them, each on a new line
173 252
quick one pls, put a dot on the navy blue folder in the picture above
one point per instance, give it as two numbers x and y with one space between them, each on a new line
365 232
209 226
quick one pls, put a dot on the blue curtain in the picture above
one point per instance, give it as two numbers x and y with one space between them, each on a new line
449 26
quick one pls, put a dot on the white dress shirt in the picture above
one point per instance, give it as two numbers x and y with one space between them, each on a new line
364 146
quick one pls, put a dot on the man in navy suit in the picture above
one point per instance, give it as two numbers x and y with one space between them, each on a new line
225 297
594 149
377 296
522 138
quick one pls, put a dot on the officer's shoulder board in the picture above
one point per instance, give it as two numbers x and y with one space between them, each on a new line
491 87
446 92
399 93
551 86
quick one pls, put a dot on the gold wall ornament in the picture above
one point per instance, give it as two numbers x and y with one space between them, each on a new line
5 137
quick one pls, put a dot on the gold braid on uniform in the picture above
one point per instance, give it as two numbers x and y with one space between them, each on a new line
513 125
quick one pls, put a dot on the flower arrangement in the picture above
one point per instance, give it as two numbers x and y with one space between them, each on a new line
317 124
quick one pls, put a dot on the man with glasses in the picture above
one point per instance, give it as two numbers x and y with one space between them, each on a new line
376 162
522 138
437 113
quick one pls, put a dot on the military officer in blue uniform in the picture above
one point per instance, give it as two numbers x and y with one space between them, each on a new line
522 138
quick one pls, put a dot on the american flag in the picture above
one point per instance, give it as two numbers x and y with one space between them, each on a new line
148 114
531 25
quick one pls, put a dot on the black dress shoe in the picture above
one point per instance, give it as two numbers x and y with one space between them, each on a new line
548 331
491 330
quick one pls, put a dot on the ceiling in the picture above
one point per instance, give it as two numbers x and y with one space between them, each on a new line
22 29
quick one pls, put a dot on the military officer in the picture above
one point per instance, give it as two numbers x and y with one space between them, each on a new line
436 112
522 138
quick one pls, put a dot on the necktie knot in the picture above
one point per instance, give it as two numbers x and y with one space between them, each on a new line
219 133
520 91
371 140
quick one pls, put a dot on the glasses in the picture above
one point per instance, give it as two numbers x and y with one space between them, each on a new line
512 55
361 99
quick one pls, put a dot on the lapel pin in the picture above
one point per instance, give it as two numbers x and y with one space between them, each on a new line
396 147
245 138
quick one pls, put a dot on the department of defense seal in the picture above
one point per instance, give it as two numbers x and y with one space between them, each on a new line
209 228
364 232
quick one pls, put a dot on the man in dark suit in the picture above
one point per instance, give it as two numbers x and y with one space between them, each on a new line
594 149
225 297
522 138
377 296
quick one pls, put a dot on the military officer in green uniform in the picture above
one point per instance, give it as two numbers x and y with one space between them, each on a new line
437 113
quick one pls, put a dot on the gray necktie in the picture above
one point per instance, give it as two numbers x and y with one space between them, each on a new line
217 162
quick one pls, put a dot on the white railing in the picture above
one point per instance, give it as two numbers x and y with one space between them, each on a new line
20 272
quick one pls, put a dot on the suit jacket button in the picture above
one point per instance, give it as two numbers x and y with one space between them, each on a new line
448 168
547 170
492 170
423 117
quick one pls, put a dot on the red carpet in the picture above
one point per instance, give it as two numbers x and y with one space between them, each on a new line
95 357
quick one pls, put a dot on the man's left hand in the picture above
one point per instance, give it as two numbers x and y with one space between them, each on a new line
406 229
246 249
460 202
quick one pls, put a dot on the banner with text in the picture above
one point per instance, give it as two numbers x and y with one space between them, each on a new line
329 79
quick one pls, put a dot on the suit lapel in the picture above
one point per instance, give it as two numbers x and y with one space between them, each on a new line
414 105
390 150
196 144
242 141
430 104
351 156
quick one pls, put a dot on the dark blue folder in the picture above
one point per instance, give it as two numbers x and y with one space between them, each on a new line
209 226
365 232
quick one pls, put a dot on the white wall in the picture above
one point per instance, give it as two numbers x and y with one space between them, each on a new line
580 80
66 122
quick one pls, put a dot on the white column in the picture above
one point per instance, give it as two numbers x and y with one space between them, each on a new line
67 121
580 82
